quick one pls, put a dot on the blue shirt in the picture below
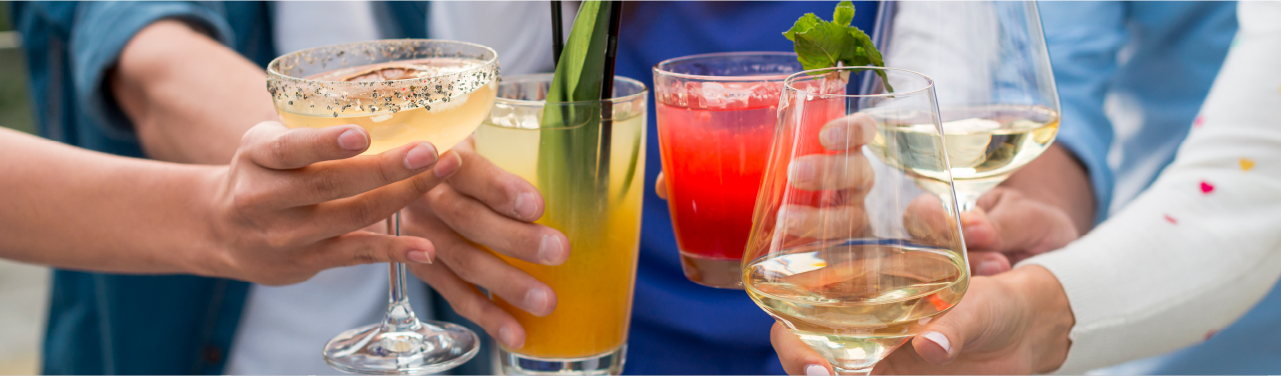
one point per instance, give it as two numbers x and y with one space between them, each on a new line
679 327
1146 66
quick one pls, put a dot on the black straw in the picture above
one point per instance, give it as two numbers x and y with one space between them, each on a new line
558 33
607 88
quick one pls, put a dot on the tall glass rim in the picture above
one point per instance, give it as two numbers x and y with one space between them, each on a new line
548 77
274 74
660 70
814 74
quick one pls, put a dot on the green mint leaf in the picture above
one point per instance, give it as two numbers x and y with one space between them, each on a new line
822 44
844 13
802 25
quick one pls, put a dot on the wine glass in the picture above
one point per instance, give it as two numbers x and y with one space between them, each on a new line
996 91
400 91
846 249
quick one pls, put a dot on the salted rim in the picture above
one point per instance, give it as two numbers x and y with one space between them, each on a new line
487 64
668 73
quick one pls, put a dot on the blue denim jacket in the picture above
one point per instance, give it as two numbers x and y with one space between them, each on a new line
128 324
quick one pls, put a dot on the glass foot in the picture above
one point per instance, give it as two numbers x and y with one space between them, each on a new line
713 272
610 363
430 347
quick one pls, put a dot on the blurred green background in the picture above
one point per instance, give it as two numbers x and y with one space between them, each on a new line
15 108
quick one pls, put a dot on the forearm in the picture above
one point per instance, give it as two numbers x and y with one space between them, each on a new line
1200 247
190 98
78 209
1057 178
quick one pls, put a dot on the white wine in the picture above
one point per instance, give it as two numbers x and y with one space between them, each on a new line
855 302
985 144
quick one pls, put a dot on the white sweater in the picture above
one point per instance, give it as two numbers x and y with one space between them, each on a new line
1201 246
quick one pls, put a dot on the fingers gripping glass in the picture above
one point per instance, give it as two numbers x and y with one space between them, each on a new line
852 247
400 91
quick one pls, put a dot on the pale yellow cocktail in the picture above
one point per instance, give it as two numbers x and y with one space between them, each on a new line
595 199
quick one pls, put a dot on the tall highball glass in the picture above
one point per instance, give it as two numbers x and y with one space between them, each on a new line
588 160
401 91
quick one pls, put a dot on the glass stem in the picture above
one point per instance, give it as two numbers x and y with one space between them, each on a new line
966 201
400 316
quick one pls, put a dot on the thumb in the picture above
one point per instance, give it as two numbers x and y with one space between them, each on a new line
945 337
1012 223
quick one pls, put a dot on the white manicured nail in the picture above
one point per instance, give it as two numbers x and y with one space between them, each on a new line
939 339
816 370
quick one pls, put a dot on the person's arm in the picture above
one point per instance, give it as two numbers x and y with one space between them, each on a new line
189 97
290 204
1198 249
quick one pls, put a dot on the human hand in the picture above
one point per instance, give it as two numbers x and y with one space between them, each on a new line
1014 323
482 205
1007 227
292 202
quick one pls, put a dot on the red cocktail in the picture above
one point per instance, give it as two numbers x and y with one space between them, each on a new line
716 118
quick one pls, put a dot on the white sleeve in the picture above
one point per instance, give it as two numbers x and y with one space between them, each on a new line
1200 247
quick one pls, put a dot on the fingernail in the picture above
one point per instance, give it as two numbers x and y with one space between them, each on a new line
447 166
939 339
536 300
524 206
550 250
989 268
816 370
352 140
802 171
419 257
420 156
835 137
509 338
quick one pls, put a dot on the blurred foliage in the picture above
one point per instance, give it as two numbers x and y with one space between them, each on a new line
15 108
5 23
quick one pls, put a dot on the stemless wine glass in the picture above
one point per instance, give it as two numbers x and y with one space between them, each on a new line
996 91
401 91
847 249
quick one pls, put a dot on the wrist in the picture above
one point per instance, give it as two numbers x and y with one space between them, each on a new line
1049 319
214 228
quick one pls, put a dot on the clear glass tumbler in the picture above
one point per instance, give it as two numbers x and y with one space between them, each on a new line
716 118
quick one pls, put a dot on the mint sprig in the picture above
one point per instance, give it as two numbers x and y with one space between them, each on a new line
823 44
